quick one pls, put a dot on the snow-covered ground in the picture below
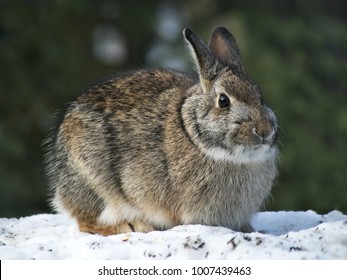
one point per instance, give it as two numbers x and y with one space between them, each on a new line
282 235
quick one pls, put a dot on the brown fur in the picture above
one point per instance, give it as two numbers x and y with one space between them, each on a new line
152 149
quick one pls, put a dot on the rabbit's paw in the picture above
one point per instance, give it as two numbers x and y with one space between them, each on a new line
247 228
125 227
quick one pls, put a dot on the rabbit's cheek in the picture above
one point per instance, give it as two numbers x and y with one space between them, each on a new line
243 136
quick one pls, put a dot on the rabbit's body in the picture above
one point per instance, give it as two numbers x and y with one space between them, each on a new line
151 149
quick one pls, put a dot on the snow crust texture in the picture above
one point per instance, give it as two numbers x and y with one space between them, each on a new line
281 235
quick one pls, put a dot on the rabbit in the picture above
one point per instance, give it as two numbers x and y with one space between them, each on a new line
153 149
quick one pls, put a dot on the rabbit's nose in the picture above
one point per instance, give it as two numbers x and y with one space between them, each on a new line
264 134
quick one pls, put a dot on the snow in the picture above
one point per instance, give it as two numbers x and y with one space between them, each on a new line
280 235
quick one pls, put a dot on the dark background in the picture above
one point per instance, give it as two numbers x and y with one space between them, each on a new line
51 50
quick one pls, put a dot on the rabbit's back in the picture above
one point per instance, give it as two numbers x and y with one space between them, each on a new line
133 92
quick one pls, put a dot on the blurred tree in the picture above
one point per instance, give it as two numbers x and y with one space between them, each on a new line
296 50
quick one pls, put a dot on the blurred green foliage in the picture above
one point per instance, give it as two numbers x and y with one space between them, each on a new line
296 50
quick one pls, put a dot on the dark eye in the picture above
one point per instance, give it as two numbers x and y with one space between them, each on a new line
223 101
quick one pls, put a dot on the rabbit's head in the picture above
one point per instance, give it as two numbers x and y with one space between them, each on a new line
225 115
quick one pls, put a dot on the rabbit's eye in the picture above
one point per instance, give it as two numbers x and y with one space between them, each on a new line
223 101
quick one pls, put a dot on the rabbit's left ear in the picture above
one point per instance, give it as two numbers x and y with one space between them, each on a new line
224 47
208 66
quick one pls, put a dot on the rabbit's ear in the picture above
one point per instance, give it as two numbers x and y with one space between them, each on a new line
223 46
207 65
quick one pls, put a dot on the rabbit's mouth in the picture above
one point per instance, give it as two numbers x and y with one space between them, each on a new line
242 153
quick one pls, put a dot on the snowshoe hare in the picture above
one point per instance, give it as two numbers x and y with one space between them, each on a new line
150 150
